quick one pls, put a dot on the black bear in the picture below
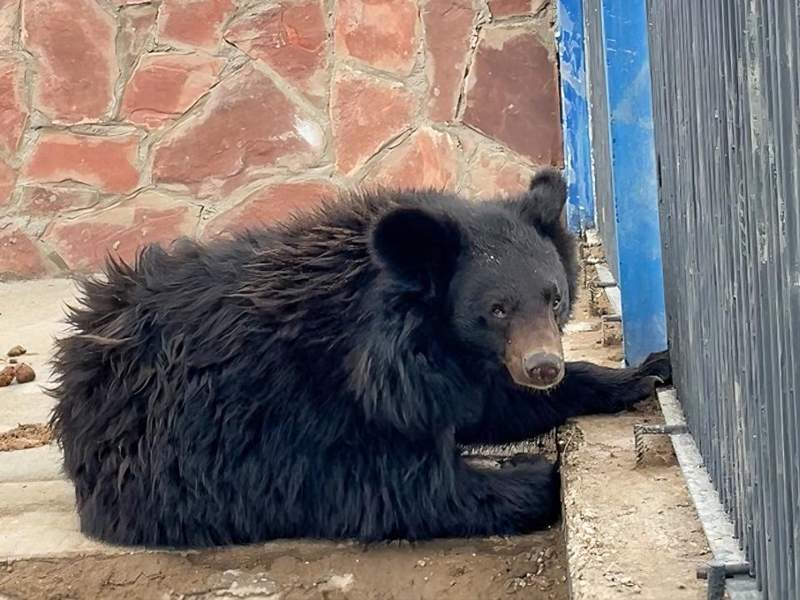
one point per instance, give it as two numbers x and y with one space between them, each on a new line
317 378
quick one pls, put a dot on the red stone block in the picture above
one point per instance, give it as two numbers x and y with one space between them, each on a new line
105 163
365 114
164 86
48 201
246 122
13 111
73 43
426 160
195 23
516 8
19 254
448 31
509 8
270 204
84 243
512 94
381 33
291 39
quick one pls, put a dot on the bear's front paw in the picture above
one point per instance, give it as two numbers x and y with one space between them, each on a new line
657 365
655 371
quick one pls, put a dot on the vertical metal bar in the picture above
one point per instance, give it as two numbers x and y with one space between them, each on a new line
633 169
575 115
790 117
754 183
725 189
774 315
729 144
743 277
716 582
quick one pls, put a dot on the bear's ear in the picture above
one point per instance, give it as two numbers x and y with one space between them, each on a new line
544 202
416 244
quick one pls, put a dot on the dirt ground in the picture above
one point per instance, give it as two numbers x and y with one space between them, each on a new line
30 435
528 566
632 531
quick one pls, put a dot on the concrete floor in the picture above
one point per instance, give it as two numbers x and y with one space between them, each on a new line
37 516
31 314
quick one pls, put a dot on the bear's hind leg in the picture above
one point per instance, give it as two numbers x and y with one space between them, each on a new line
486 502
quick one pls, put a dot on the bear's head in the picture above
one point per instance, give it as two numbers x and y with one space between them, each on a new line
500 274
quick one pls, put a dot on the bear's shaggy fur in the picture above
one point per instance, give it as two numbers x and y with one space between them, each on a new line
315 378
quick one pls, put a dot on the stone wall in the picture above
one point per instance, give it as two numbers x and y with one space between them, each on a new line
127 121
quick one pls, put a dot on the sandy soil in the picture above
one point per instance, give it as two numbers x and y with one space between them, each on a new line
631 527
526 566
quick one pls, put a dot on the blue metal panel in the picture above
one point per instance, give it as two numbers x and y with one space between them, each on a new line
634 176
575 115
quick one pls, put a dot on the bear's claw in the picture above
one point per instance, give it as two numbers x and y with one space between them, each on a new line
657 365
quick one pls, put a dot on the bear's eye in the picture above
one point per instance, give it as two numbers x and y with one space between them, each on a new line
556 302
499 311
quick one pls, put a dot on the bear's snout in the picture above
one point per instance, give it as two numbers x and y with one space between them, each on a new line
543 369
534 355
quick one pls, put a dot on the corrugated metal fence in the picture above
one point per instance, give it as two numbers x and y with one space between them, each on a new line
726 102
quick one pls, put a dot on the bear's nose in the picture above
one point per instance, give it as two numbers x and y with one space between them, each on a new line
543 368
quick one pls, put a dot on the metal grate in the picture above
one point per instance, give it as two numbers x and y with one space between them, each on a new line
726 102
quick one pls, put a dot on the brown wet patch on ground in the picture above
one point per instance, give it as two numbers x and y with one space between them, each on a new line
530 567
30 435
